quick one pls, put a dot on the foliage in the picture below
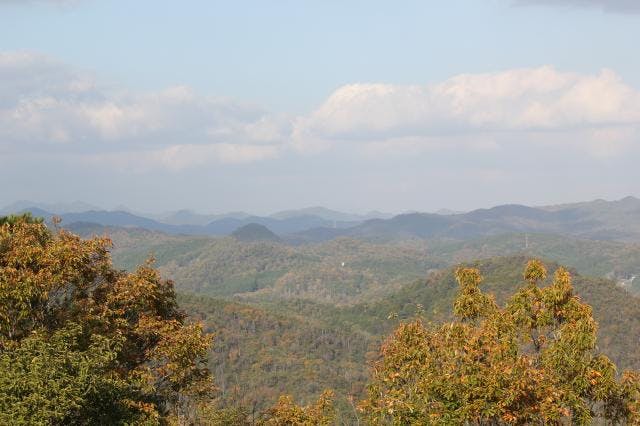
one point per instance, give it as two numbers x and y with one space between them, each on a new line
260 354
18 218
225 267
133 246
296 312
54 379
262 270
533 361
287 413
589 257
81 342
262 351
616 311
338 272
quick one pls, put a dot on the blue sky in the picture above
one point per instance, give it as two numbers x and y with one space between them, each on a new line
355 105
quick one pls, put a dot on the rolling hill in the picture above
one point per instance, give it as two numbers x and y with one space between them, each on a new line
226 266
617 312
265 347
340 271
320 311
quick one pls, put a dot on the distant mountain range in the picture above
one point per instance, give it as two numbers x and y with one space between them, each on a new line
184 219
189 217
599 220
223 226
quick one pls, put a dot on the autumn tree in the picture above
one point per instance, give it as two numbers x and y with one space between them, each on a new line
84 343
533 361
287 413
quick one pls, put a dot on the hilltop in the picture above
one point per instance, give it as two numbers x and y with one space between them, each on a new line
254 232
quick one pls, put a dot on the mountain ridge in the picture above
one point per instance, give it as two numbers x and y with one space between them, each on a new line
599 220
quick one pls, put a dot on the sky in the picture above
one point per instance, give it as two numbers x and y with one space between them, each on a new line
353 105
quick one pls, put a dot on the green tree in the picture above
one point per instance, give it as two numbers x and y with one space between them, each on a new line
84 343
15 218
533 361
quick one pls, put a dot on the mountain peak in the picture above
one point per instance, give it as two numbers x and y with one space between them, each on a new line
254 232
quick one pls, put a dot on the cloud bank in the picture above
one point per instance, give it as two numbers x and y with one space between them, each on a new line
476 109
49 107
526 99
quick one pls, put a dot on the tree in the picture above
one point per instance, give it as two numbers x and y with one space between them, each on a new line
84 343
532 361
287 413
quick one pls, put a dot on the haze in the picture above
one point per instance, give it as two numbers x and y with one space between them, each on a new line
264 106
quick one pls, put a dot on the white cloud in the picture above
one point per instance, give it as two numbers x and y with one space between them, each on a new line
542 101
45 105
524 99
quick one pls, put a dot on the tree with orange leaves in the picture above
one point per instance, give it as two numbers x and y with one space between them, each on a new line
533 361
287 413
84 343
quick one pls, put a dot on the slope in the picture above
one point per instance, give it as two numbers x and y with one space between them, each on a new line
617 312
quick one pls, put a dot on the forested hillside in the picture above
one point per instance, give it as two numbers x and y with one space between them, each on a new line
617 312
299 320
339 271
220 266
320 311
264 345
261 353
589 257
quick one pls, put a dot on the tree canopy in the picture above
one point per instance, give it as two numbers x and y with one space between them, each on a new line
286 413
84 343
534 360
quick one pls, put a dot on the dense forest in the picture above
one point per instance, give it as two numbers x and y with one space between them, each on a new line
244 324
